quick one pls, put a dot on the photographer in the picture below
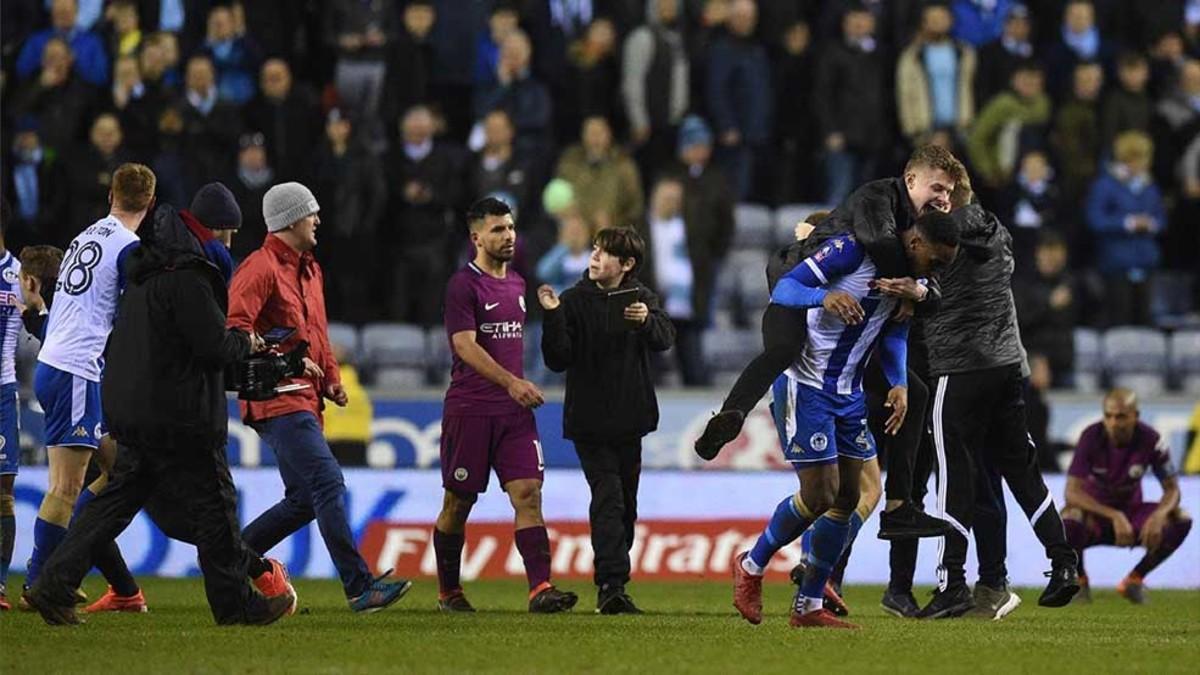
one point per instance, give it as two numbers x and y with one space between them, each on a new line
281 286
164 401
610 403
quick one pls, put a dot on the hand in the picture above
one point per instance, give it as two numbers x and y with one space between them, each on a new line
311 369
337 394
1191 188
1152 531
835 142
844 306
31 292
526 393
731 137
637 312
1060 297
905 288
257 344
640 136
547 297
1123 530
803 229
350 41
904 311
897 400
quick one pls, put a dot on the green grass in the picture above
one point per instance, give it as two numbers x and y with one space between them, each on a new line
689 627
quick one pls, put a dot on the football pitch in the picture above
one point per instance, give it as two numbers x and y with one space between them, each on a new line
689 627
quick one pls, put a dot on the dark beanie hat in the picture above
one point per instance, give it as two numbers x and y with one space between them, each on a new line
215 207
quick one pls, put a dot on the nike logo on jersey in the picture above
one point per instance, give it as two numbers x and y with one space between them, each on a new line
491 305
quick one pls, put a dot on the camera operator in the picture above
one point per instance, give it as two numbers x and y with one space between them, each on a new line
281 286
164 401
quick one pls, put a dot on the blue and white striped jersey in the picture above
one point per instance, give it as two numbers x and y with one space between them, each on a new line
10 316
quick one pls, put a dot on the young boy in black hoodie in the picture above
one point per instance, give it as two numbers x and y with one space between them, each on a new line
610 403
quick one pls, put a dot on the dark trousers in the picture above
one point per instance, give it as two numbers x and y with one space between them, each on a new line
313 488
979 426
688 351
899 451
612 471
902 556
784 330
194 492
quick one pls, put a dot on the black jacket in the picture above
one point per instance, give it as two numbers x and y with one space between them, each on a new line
610 389
877 212
976 325
169 345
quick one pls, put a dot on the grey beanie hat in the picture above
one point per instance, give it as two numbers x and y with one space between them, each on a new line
287 203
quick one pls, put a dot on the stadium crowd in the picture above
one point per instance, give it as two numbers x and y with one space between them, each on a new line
1078 120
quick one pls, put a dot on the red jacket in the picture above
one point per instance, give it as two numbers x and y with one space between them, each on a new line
275 287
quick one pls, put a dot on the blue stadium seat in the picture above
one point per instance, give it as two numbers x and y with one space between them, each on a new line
752 226
1136 358
344 336
388 345
1089 361
1185 359
788 215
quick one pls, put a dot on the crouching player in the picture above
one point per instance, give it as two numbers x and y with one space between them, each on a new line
820 408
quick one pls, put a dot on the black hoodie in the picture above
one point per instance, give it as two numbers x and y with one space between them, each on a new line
610 389
163 383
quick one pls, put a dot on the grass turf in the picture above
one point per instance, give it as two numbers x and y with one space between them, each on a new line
689 627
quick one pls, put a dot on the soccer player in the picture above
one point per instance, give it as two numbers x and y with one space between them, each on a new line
1104 493
67 376
487 421
10 441
820 409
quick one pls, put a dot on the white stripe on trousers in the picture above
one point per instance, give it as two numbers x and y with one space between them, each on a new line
940 445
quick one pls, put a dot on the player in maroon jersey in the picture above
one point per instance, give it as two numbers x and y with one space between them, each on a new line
1104 492
487 420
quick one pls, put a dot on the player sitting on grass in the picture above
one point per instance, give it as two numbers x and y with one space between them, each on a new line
1104 493
820 409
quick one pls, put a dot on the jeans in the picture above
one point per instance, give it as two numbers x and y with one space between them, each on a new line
313 487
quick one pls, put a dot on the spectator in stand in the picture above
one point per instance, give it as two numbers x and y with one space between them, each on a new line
852 105
517 92
289 118
137 106
998 58
996 139
1029 205
739 98
91 60
1168 55
350 184
1079 40
1178 120
564 264
409 65
169 163
57 97
32 185
254 176
498 171
125 35
159 60
451 75
87 173
234 56
361 33
934 80
210 126
681 272
607 186
979 23
796 121
503 20
1127 107
1075 138
1126 211
594 73
655 81
1048 311
424 179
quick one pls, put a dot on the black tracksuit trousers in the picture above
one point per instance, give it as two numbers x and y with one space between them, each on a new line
612 471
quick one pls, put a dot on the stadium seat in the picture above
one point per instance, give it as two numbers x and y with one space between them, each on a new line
344 336
1185 359
399 379
752 226
439 357
741 284
786 218
1088 360
1136 358
729 350
388 345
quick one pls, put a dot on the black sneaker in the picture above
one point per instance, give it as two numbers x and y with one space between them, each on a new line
455 602
614 600
832 593
721 428
909 522
952 602
902 605
1063 585
552 601
272 609
52 614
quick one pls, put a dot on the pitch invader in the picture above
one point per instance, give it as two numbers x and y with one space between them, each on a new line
10 445
820 410
487 421
70 363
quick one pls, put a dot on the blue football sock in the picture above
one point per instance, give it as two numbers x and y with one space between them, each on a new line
856 522
8 533
788 523
46 537
828 539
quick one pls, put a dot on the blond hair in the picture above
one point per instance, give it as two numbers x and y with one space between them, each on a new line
133 187
1132 146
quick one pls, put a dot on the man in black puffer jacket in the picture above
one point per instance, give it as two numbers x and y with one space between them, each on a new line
164 401
979 430
610 403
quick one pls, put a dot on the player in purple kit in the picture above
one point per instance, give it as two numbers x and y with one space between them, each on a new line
1104 493
487 421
